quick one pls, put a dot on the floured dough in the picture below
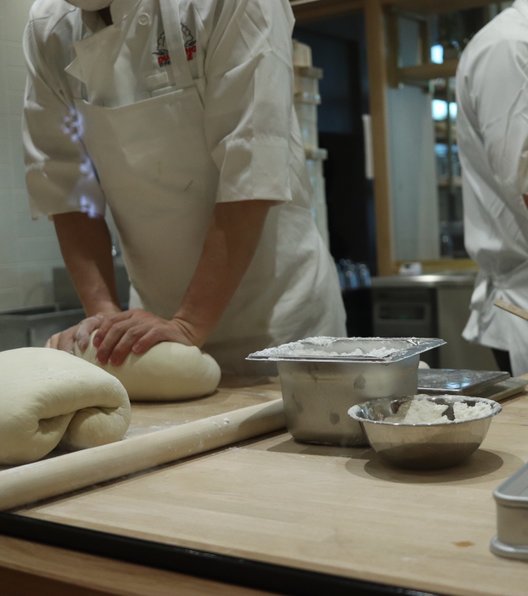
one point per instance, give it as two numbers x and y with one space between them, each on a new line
49 397
169 371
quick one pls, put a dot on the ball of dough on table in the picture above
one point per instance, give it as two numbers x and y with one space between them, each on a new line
49 397
169 371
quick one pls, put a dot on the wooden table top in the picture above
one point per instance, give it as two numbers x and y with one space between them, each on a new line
339 511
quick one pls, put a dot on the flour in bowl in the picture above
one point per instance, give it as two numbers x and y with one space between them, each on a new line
464 411
422 410
419 411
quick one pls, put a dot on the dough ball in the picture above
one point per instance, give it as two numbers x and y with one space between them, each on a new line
49 397
169 371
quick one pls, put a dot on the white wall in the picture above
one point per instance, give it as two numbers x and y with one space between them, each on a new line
28 249
413 175
413 168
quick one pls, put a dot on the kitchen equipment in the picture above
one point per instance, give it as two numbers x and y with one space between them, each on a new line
404 311
496 385
430 305
424 445
457 381
511 499
505 389
511 308
322 377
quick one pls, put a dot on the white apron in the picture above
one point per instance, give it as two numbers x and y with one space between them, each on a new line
493 327
161 189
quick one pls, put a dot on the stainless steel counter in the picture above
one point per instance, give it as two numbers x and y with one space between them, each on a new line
430 305
34 325
426 280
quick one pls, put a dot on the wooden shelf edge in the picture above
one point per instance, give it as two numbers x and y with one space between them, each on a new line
308 71
435 6
427 72
313 10
443 265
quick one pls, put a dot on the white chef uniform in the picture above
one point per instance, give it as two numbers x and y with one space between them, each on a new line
177 106
492 132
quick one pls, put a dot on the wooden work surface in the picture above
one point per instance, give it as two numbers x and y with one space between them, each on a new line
339 511
159 434
150 417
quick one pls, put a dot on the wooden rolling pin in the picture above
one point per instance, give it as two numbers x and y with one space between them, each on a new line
514 310
55 476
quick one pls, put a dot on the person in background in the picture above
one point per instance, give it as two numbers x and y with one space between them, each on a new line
492 134
177 116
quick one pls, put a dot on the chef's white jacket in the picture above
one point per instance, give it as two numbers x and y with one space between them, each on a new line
492 134
99 95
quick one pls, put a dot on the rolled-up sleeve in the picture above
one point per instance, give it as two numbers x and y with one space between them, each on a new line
248 99
500 93
59 174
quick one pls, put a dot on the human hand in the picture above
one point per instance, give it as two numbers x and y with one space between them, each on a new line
136 331
78 334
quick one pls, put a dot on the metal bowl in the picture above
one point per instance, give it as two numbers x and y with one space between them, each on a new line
423 445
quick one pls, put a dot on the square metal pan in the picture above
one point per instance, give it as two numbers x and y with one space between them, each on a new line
339 349
511 498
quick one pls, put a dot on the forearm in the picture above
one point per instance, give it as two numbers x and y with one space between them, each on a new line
230 245
86 248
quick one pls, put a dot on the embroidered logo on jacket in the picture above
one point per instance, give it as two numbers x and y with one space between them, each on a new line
162 51
189 42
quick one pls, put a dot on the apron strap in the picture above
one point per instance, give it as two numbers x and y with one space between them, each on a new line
174 38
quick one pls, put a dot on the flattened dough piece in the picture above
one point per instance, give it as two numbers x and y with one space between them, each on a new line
49 397
169 371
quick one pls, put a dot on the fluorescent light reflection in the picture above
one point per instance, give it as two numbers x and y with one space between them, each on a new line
437 54
439 109
88 207
73 126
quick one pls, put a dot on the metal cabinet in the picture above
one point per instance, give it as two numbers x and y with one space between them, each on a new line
430 306
33 326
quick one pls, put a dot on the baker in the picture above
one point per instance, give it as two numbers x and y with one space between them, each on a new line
492 133
177 117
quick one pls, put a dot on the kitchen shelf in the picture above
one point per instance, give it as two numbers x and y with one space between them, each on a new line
434 6
381 20
444 183
426 72
313 10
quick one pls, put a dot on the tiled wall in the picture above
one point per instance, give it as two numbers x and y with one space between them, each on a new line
28 249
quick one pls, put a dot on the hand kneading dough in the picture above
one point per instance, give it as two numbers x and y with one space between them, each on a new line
169 371
49 397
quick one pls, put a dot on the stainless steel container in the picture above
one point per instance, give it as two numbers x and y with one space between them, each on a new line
511 498
321 378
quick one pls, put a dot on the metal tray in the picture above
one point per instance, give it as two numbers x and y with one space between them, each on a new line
459 382
504 389
511 498
344 349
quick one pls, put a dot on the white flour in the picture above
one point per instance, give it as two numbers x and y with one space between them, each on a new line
321 347
425 411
